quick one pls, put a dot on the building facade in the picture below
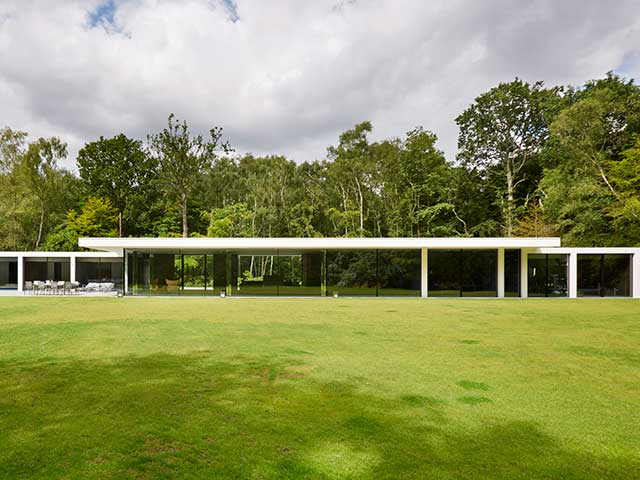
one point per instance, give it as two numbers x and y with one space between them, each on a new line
411 267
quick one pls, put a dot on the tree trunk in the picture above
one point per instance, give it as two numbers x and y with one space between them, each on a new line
509 209
361 207
185 227
40 227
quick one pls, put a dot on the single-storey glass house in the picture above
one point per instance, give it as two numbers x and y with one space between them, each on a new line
411 267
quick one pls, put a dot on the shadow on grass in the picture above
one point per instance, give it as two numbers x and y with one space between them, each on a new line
190 416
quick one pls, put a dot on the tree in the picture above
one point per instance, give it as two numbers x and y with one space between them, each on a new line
12 147
350 175
118 169
625 211
590 150
183 159
98 218
39 167
231 221
503 132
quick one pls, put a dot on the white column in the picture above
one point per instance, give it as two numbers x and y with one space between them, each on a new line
573 275
125 287
424 273
501 273
636 275
72 268
20 273
524 274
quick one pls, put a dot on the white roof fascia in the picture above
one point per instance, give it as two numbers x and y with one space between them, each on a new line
589 250
104 254
206 243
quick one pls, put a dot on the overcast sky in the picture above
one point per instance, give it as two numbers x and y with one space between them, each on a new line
286 77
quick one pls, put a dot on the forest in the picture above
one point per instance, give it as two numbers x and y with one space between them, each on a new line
532 160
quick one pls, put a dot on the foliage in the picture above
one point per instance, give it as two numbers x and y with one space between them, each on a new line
502 133
98 218
591 154
119 169
183 158
532 161
231 221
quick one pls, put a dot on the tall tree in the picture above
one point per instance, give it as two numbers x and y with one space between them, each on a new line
589 159
98 218
39 167
503 131
118 169
12 147
625 212
183 159
350 175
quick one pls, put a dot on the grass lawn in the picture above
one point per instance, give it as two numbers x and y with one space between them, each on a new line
319 388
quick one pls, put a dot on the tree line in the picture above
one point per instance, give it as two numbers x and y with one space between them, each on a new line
532 161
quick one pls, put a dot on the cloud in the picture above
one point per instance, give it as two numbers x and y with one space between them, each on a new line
287 77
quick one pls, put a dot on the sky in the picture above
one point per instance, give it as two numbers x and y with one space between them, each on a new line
286 77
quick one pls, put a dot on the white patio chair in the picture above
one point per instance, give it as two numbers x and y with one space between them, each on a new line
42 287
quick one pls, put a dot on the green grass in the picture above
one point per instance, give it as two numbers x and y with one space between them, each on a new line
319 388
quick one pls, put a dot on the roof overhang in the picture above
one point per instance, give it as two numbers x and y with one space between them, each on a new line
41 254
199 244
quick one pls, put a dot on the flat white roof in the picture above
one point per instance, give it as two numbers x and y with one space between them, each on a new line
39 254
590 250
195 244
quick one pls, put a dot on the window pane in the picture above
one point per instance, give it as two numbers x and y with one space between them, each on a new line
589 275
616 275
300 274
351 273
140 273
512 273
257 274
165 273
217 273
43 269
194 275
479 273
557 276
444 273
399 273
104 271
537 275
9 273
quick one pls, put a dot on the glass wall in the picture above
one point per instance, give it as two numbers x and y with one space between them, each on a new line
139 273
463 273
177 274
352 273
547 275
604 275
444 273
43 269
257 274
479 273
512 273
8 273
300 274
399 273
99 270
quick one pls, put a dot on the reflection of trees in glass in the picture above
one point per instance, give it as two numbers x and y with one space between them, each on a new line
604 275
399 269
547 275
351 269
